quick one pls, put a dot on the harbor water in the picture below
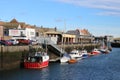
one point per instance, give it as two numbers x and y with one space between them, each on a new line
99 67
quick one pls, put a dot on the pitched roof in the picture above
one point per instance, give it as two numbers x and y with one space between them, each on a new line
84 32
14 21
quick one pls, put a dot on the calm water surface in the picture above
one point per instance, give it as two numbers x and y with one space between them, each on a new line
100 67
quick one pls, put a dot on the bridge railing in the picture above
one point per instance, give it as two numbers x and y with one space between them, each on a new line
48 41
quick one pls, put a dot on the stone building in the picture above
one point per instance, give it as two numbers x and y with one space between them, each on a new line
82 35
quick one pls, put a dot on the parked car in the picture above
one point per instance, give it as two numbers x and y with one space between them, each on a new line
33 42
24 41
5 42
14 41
2 43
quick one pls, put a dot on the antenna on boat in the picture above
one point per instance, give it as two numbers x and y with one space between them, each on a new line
46 46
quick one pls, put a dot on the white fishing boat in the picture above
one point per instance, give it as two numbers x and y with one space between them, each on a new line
84 53
104 48
74 54
65 58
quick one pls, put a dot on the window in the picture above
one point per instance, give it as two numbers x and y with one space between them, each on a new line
37 34
6 33
31 33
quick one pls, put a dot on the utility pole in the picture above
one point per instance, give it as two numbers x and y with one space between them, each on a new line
64 33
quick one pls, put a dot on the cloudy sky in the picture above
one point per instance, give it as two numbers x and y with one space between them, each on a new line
100 17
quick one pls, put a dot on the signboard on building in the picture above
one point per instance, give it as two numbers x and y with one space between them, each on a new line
16 32
27 33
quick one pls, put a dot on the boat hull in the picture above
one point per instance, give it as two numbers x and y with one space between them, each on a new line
95 53
71 61
36 65
64 59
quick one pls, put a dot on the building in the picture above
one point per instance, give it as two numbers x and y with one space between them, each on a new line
117 40
21 30
82 36
109 38
25 33
17 29
1 32
60 37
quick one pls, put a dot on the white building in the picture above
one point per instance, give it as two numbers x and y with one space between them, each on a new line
27 33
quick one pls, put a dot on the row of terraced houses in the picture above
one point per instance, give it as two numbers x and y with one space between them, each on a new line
21 30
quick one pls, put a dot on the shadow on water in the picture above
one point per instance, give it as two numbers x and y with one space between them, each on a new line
100 67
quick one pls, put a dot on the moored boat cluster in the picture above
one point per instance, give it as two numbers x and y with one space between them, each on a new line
76 55
40 59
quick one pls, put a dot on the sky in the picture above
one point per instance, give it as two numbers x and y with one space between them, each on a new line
99 17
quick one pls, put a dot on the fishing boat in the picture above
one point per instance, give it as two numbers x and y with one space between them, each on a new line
65 58
105 48
95 51
84 53
37 61
74 54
